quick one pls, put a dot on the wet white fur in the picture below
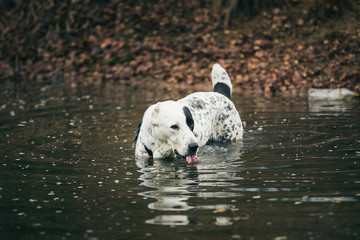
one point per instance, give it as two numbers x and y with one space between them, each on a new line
215 119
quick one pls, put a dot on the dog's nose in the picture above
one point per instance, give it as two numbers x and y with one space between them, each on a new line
193 148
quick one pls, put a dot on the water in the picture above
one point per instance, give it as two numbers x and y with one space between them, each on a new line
68 171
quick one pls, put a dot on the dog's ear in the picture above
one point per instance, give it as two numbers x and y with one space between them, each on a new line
155 115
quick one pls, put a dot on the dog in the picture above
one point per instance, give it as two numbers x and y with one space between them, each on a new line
178 128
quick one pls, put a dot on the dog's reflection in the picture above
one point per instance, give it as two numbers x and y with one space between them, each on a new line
171 180
173 183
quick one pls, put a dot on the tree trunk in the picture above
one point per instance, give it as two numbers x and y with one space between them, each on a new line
228 14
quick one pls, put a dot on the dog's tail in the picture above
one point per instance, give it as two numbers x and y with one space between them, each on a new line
221 81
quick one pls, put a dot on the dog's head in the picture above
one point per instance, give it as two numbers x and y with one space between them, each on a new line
173 127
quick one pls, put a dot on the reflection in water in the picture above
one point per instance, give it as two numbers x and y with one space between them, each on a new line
223 221
316 199
172 220
176 183
329 106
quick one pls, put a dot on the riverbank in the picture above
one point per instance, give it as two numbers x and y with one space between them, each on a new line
281 50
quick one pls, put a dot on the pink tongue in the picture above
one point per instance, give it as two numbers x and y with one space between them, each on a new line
192 159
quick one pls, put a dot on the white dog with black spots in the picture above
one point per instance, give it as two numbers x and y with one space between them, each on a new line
179 128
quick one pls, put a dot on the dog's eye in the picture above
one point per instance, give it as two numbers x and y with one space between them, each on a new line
175 127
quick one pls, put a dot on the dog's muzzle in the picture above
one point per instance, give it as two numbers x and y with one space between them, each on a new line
193 147
191 153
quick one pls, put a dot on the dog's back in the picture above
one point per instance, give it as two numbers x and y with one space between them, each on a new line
221 81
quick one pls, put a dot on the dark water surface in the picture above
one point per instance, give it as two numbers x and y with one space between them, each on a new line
68 172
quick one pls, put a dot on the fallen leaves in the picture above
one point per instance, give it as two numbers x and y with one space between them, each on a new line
175 42
220 210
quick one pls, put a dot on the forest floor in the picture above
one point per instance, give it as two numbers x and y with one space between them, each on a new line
280 51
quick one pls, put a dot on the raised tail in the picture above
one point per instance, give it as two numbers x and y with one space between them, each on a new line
221 81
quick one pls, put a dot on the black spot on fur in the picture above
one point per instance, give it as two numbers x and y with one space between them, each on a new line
149 151
189 118
223 89
197 103
229 107
223 117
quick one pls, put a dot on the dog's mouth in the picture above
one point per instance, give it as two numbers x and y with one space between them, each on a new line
189 158
192 159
